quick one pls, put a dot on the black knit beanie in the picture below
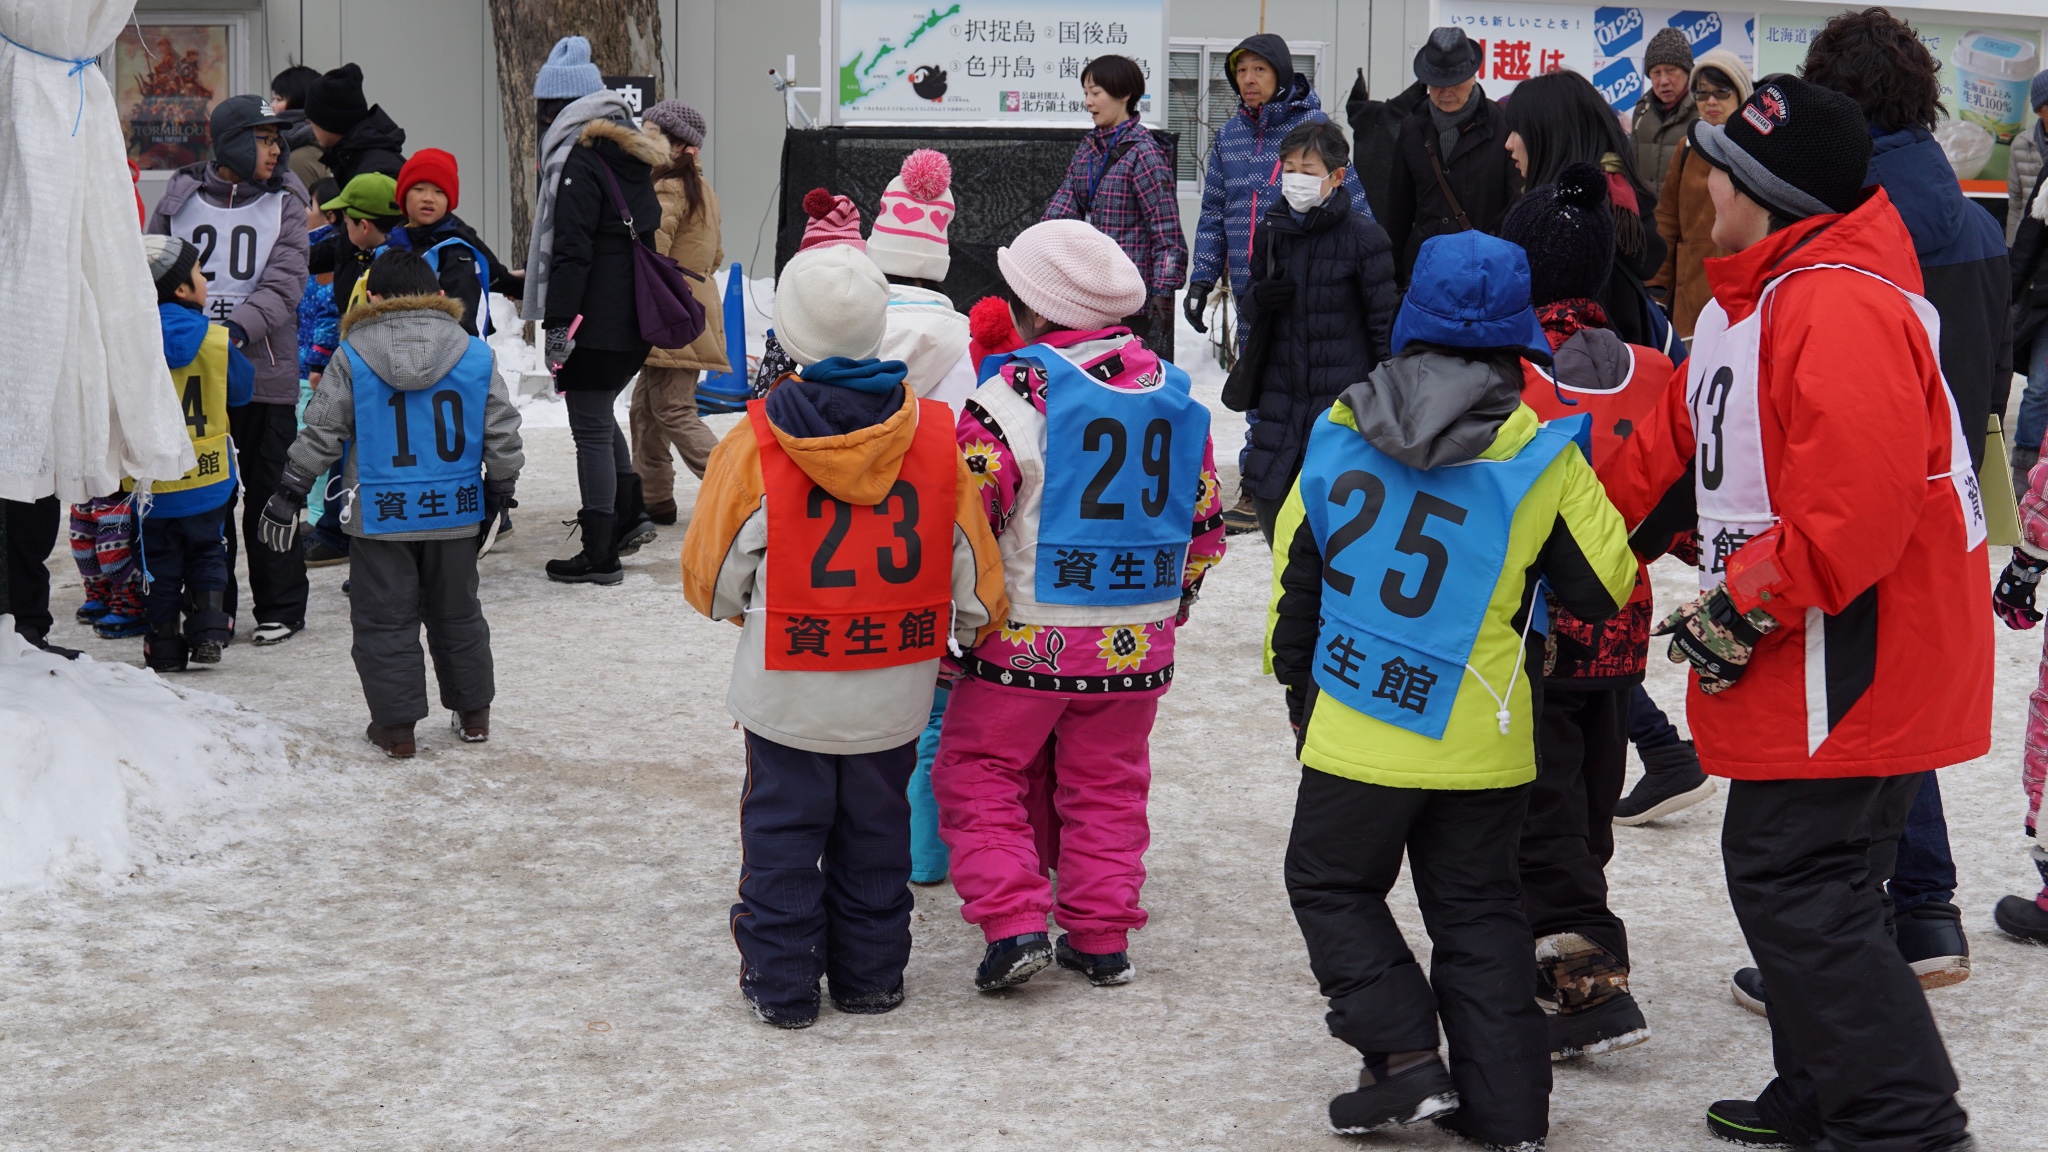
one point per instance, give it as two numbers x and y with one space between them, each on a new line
1796 148
335 101
1567 228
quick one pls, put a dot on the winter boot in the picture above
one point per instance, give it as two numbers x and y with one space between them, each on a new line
165 650
395 739
212 620
2023 461
1241 517
120 626
1672 782
473 726
597 563
1013 960
633 526
1931 939
2022 919
1453 1122
663 512
869 1004
1101 968
1595 1012
1740 1122
1747 986
791 1017
91 612
1393 1088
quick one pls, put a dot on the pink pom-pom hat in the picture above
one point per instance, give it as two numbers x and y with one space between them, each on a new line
909 235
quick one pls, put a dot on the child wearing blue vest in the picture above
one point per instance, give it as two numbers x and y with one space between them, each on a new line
1431 509
184 558
428 191
432 450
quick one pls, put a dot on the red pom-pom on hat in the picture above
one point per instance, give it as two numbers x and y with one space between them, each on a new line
818 203
927 174
991 330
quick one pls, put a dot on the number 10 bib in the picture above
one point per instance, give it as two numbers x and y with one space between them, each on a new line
859 586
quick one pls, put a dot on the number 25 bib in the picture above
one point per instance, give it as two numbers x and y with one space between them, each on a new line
859 586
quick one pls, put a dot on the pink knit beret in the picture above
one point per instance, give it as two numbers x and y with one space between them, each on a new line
1072 274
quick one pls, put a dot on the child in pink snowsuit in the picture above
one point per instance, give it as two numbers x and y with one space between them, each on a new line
2014 603
1100 484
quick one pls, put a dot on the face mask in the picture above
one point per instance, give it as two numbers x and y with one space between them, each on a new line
1302 190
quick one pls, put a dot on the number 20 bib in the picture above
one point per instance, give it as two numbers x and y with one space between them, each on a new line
234 245
1410 560
858 586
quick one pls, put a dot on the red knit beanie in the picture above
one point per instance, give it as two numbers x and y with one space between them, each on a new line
434 167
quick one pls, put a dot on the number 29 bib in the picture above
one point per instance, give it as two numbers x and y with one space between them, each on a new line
859 586
1410 560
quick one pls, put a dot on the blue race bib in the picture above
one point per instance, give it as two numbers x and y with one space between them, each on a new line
1410 561
483 277
419 455
1123 470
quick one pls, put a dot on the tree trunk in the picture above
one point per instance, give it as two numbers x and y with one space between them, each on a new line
625 40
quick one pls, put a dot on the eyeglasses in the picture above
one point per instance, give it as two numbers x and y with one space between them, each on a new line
1722 95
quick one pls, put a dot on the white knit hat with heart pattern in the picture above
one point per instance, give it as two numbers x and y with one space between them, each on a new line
909 234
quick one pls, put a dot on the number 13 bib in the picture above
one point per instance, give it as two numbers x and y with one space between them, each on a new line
859 586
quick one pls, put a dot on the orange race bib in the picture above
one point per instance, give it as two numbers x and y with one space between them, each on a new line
854 586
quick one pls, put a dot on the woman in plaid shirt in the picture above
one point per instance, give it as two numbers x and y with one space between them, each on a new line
1121 181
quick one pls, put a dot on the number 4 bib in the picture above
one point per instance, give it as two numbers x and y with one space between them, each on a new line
859 586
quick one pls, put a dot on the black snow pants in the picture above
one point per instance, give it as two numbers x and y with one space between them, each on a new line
1581 758
396 585
1343 856
1859 1059
263 434
825 875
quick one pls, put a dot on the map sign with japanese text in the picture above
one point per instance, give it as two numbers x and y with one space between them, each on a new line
1605 45
1000 61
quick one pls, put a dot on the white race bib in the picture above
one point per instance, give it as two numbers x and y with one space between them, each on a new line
234 245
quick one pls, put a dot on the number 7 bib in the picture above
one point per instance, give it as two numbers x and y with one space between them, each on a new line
859 586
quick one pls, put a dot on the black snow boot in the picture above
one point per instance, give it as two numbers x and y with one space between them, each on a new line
870 1003
1013 960
1421 1089
633 527
1101 968
1931 939
1595 1012
598 563
1747 986
1740 1122
1672 781
1454 1123
792 1016
2021 919
213 617
165 650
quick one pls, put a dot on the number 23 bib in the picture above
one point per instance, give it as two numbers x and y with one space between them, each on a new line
860 586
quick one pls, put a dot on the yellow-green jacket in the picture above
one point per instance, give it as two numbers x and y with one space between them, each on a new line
1564 531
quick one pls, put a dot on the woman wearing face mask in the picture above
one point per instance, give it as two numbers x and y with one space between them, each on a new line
1558 119
1320 309
1685 213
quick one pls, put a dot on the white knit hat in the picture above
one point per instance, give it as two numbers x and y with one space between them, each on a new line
909 235
830 301
1072 275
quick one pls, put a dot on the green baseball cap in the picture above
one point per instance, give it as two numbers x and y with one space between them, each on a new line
369 196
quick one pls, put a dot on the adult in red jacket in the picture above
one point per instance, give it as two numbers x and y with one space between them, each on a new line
1842 646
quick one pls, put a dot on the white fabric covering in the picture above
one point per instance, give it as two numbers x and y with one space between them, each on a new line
85 396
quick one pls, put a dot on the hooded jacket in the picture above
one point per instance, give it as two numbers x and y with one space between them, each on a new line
590 266
693 242
1242 178
375 144
410 342
852 445
1963 265
1339 270
1479 170
185 331
270 316
930 337
1433 408
1884 613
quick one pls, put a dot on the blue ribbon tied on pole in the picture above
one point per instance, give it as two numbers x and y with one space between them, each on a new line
78 68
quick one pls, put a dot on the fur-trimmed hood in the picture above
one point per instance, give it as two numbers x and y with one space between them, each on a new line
410 342
632 141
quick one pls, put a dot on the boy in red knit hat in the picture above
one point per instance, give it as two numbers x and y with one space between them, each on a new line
429 187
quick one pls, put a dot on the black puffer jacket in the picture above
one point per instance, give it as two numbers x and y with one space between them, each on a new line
1338 267
376 144
1481 174
591 271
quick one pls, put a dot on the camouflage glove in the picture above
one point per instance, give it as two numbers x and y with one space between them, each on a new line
2013 599
1715 639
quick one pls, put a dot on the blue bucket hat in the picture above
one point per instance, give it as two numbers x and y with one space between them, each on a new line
1470 290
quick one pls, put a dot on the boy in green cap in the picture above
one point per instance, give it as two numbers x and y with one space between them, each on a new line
369 208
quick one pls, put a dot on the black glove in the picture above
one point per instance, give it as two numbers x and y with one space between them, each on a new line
559 347
2014 598
1274 295
1196 302
498 499
1715 639
280 522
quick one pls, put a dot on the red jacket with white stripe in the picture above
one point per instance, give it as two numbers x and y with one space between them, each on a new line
1882 664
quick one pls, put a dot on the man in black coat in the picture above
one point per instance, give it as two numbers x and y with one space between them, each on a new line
358 138
1451 169
1320 310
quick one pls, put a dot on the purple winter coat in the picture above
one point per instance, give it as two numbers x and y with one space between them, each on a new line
270 316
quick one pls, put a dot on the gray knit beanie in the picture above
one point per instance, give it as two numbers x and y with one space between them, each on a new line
677 121
1668 46
170 261
2038 94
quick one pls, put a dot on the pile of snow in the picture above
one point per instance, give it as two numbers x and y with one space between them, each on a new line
105 765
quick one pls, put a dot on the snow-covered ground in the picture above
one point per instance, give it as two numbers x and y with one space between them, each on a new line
523 944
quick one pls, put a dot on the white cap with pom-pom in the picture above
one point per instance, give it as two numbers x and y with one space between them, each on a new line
910 229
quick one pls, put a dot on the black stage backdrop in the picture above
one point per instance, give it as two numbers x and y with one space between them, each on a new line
1002 179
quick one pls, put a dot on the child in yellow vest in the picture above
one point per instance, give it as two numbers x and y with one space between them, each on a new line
183 557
